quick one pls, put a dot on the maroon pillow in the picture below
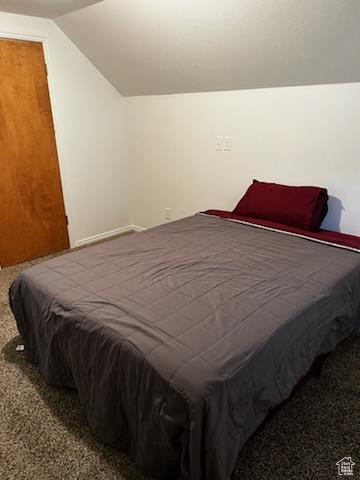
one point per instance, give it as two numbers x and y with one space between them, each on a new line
301 207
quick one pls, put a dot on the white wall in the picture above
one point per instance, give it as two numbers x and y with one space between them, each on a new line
295 135
89 120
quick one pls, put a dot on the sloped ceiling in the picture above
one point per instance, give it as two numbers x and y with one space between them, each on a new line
43 8
171 46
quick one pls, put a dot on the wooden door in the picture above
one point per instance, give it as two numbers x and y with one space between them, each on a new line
32 215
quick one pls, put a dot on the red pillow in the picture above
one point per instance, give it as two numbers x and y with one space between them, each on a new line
301 207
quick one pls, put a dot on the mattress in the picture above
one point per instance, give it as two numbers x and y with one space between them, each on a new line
180 339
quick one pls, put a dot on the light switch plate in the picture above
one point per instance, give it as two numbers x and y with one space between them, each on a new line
227 144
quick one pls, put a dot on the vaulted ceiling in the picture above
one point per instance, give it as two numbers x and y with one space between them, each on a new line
169 46
44 8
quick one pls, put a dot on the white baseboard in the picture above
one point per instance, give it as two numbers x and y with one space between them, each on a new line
136 228
109 234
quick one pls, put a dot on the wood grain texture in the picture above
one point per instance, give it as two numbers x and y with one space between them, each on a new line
32 214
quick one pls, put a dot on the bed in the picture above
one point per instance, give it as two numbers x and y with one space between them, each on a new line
180 339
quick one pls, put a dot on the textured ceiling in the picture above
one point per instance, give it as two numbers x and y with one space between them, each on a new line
169 46
43 8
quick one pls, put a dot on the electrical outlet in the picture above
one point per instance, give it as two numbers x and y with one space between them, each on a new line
168 213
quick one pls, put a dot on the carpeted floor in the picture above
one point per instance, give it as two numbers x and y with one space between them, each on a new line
44 435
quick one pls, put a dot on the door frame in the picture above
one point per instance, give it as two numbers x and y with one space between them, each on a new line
60 157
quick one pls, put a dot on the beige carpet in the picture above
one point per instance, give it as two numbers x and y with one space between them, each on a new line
44 435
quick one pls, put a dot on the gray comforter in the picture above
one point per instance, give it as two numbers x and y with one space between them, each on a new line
180 339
